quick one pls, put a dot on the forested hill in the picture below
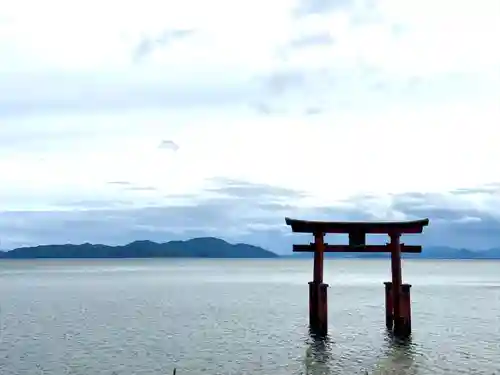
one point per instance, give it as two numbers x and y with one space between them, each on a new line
207 247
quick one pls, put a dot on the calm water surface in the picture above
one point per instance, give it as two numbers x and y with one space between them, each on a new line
241 317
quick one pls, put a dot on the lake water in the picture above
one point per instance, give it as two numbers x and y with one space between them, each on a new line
126 317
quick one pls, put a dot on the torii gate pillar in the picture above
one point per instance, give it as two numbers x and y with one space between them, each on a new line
318 296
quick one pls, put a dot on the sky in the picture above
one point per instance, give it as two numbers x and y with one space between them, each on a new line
125 120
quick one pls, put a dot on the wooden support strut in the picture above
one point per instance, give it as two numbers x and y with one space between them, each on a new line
356 249
405 309
319 253
389 311
318 299
399 321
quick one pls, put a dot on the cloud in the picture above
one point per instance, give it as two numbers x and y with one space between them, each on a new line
148 45
279 82
354 109
70 93
238 211
463 218
242 189
294 90
141 188
226 212
313 7
127 186
262 108
168 145
313 111
319 39
122 183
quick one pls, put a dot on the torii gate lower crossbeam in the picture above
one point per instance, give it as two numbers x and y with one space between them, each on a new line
398 303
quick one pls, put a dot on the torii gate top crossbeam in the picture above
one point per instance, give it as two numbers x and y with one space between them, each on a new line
380 227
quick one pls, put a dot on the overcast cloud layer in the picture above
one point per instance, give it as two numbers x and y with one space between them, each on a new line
124 120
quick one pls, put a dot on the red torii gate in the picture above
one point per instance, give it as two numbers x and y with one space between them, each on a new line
397 294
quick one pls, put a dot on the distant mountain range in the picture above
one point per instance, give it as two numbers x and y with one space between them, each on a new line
432 252
207 247
210 247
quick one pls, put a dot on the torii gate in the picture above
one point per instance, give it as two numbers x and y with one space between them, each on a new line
397 294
